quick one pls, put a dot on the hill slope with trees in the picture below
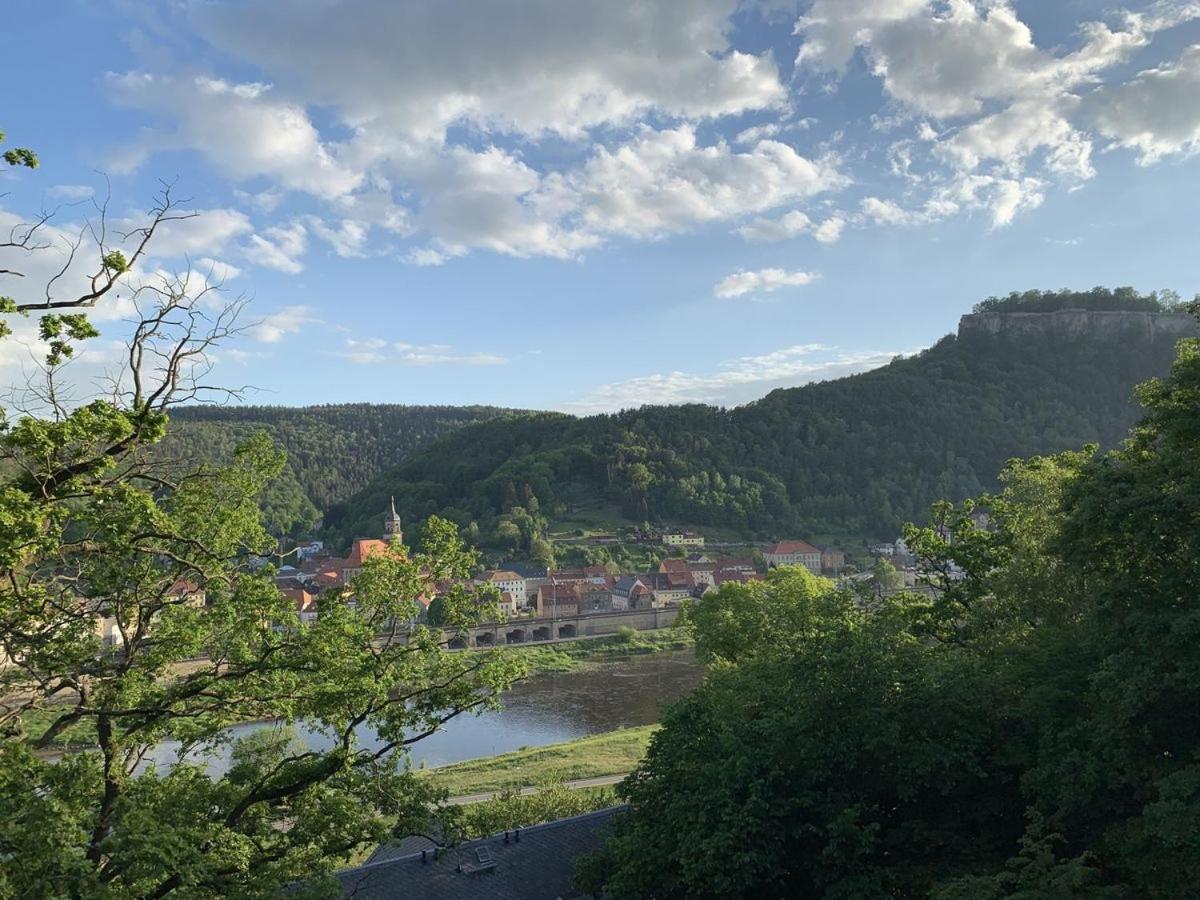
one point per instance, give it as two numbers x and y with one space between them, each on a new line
1029 730
855 457
332 451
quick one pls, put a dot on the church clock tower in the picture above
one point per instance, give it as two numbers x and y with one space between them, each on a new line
391 526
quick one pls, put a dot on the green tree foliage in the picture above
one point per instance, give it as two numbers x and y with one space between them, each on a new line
1098 298
851 458
332 451
1031 730
128 613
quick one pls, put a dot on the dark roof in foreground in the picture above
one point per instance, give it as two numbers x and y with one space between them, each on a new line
538 866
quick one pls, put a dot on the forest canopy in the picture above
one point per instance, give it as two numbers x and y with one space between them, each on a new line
1031 730
1098 298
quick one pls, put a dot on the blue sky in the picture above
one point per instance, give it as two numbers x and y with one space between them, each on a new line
588 206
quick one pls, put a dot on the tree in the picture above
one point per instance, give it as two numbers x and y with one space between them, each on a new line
808 762
127 612
885 575
1029 730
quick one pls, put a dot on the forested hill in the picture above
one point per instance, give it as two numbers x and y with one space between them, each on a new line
854 457
333 451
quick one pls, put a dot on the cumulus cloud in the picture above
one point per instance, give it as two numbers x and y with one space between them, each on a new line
664 181
347 237
71 192
786 226
377 351
279 247
736 381
1157 113
522 66
288 320
1010 112
763 281
242 128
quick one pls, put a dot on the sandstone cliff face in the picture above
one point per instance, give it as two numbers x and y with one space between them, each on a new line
1076 323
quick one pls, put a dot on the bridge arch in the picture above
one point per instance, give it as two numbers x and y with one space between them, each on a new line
567 631
516 636
542 633
458 642
485 639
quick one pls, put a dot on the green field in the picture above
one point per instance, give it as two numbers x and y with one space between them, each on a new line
612 753
567 657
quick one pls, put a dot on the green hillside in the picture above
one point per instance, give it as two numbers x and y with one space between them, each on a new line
333 451
855 457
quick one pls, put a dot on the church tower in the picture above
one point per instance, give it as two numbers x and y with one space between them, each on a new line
391 526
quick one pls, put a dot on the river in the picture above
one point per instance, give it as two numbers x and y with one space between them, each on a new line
545 709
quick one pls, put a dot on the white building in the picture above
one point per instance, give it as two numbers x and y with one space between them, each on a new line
682 539
508 583
793 553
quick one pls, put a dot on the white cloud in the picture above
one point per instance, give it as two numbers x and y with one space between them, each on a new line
887 212
428 256
1157 113
288 320
279 247
737 381
830 231
347 237
217 271
832 29
948 59
377 351
663 181
522 66
243 129
206 232
786 226
71 192
764 281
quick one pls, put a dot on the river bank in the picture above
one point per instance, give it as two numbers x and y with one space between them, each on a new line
612 753
625 653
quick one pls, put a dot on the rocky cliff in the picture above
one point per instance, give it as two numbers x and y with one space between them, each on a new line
1077 323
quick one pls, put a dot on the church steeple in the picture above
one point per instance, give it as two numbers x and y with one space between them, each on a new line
391 526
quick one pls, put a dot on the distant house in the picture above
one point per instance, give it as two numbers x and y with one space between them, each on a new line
673 582
832 560
682 539
740 563
793 553
595 598
631 592
309 549
591 574
360 551
557 599
510 582
306 603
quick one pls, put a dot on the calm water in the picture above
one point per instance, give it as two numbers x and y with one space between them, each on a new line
546 709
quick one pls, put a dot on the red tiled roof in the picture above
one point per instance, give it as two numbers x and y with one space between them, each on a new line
784 548
503 575
363 548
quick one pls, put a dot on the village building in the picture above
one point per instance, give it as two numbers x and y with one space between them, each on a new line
793 553
596 598
833 561
507 582
682 539
558 599
630 592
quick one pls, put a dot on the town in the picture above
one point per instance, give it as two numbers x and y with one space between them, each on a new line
685 571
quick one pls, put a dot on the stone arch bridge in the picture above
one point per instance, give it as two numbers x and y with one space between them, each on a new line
560 628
